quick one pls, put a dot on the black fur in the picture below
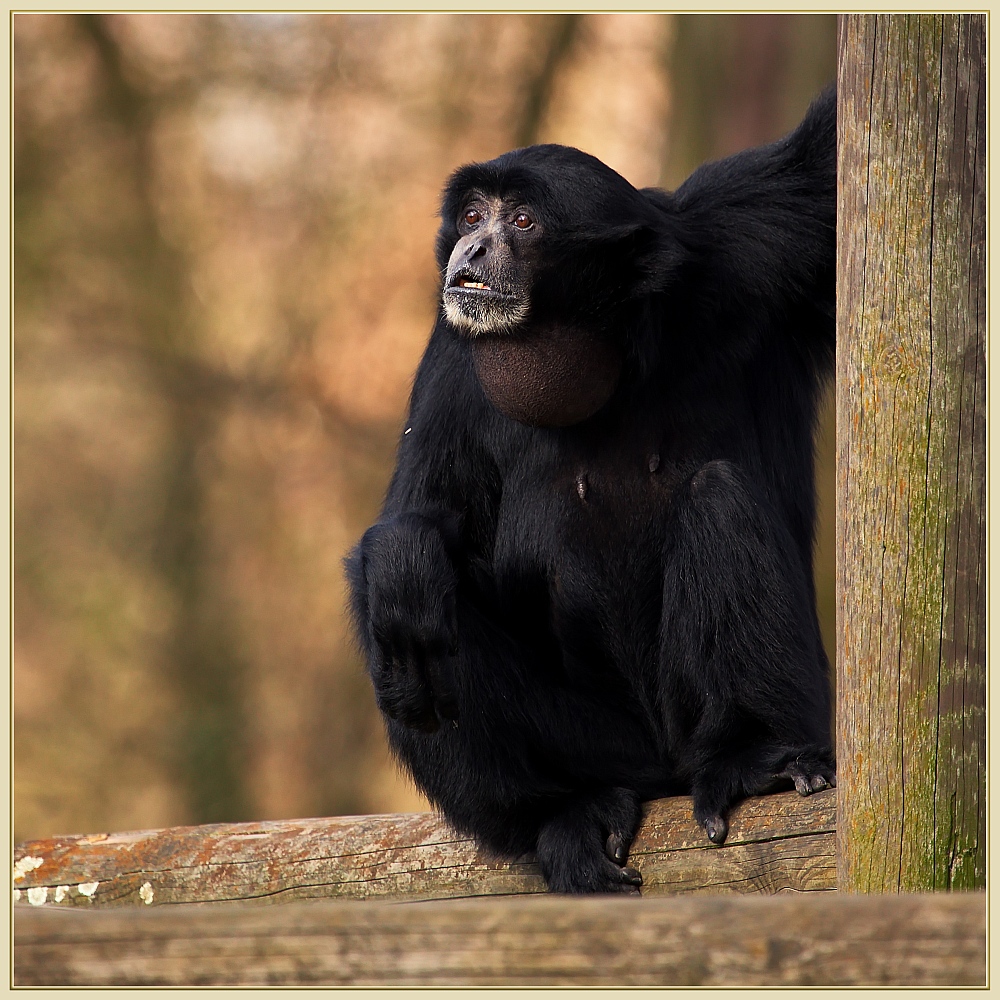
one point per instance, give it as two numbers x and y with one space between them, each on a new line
560 623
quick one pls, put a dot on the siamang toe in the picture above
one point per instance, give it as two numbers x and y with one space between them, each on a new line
716 827
810 774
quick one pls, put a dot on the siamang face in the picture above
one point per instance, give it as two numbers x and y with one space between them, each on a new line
487 285
540 237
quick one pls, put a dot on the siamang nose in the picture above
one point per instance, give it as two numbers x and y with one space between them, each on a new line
477 249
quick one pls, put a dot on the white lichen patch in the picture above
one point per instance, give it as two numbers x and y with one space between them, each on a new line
25 865
38 894
62 891
87 888
146 893
17 895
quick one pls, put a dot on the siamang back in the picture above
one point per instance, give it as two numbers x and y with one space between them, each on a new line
591 580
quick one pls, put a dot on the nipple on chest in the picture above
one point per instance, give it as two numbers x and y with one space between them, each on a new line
582 483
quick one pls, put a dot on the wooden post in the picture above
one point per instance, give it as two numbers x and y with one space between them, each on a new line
911 462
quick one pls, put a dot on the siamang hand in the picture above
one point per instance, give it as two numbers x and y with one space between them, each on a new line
410 582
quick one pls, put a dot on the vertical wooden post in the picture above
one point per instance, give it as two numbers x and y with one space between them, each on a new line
911 462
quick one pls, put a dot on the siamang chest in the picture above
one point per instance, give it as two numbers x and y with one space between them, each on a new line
585 535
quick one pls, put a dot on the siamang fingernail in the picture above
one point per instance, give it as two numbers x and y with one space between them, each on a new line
615 848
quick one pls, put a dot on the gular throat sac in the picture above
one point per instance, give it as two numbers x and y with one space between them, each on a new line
554 377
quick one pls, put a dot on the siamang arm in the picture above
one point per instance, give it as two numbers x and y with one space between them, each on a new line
760 226
433 530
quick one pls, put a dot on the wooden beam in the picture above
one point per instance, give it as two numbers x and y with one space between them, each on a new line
911 463
775 843
800 939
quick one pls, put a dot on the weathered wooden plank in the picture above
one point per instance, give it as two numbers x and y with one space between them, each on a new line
911 443
776 842
810 939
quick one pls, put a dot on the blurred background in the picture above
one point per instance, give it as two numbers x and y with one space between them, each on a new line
223 281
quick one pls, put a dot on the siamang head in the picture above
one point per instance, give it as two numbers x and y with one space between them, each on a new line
539 236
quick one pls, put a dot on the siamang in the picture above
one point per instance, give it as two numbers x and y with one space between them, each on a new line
591 581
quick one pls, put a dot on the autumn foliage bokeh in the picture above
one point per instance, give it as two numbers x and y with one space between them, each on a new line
223 280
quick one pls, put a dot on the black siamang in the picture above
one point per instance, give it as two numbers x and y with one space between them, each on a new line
591 581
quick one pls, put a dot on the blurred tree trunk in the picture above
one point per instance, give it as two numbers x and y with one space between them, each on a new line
207 738
727 71
742 79
560 32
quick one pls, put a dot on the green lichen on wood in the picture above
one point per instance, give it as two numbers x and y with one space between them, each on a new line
911 455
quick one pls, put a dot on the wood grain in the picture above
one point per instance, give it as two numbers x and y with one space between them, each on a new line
776 843
808 939
911 462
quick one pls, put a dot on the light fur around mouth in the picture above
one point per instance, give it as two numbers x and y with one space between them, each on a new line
469 309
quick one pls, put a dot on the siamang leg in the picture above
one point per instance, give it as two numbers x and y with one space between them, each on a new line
528 764
510 754
759 767
745 686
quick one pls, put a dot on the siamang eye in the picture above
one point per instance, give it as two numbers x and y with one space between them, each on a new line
471 217
523 221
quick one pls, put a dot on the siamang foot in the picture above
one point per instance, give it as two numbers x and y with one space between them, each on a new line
809 774
714 793
584 849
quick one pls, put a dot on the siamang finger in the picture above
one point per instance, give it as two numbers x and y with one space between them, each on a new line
616 848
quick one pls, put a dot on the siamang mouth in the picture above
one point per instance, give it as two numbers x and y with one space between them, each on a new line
476 306
466 282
